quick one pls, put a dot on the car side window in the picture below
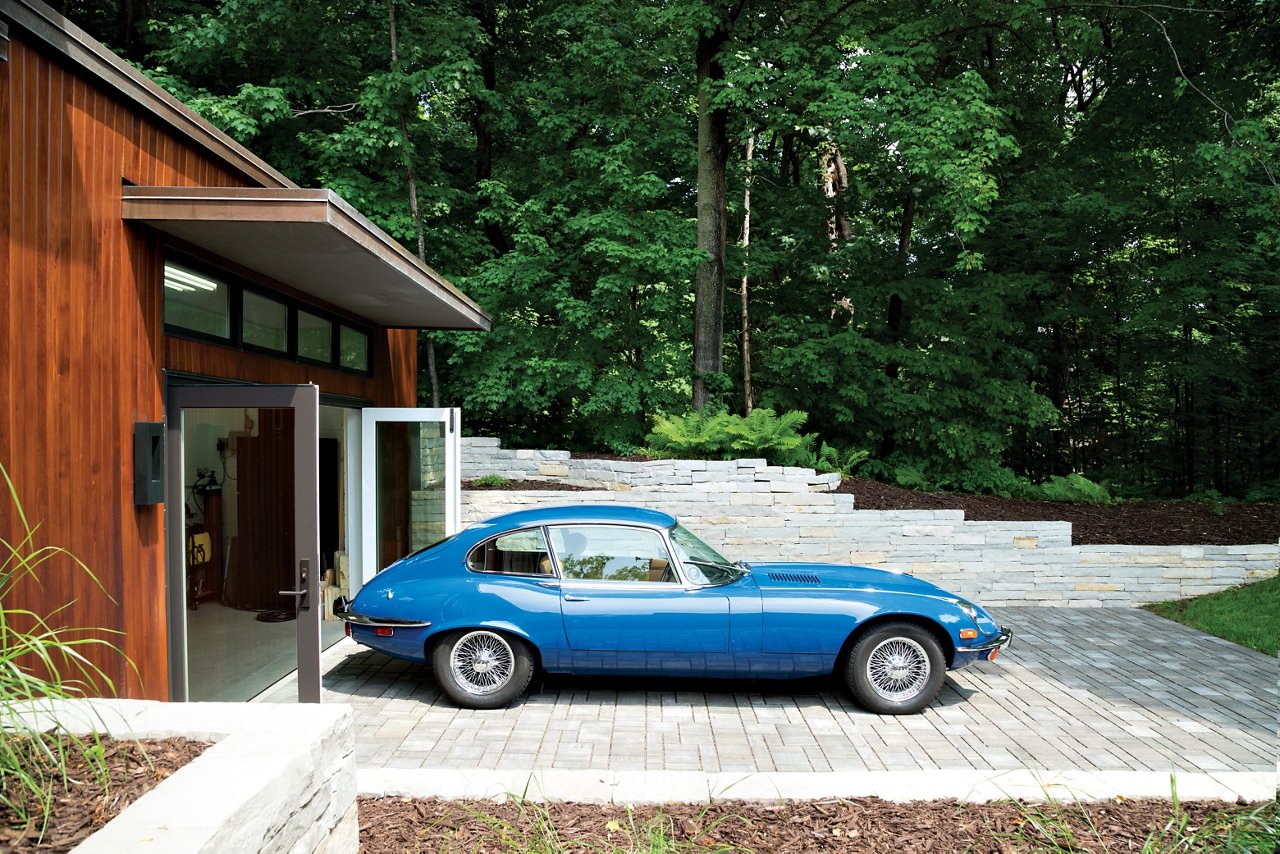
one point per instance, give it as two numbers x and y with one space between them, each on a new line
612 553
516 553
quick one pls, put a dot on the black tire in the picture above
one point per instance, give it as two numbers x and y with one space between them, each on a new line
482 668
895 669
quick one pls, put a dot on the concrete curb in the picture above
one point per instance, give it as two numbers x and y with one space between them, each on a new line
647 787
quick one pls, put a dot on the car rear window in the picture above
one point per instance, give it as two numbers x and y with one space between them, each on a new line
513 553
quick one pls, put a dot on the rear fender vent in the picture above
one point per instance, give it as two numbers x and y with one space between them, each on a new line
794 577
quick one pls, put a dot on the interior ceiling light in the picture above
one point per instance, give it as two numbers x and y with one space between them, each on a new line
181 279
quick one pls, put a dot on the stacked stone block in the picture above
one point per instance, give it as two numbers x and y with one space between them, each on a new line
486 456
427 499
995 563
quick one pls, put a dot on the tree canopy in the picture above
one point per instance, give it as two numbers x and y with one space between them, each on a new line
988 241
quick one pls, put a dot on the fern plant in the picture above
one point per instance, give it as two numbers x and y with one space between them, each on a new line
720 435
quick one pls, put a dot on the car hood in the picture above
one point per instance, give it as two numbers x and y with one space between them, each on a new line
793 576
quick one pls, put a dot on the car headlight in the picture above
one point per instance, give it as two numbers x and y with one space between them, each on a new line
969 608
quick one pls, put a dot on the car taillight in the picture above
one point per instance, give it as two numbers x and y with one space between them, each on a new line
346 629
384 632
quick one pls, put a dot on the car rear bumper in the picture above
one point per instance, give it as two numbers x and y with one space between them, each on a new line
342 610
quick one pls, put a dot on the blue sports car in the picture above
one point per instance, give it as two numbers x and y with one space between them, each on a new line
624 590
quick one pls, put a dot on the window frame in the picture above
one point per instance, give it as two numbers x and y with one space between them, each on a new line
484 544
237 285
680 582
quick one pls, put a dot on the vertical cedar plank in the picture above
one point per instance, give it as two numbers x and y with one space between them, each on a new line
6 272
82 349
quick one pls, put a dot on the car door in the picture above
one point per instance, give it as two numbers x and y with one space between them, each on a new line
626 609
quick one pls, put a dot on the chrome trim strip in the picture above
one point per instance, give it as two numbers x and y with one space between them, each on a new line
1001 640
382 622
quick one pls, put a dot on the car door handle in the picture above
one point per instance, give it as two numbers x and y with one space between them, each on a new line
552 585
569 597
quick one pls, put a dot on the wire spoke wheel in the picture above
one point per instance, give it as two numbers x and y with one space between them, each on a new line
898 669
482 662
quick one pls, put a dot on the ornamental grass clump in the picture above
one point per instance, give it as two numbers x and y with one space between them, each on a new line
40 664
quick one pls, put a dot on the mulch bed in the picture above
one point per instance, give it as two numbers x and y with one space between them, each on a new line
522 485
133 769
1143 523
861 824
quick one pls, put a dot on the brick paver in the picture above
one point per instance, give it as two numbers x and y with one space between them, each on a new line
1089 689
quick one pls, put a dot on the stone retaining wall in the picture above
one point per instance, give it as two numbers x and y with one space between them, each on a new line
486 456
279 778
995 563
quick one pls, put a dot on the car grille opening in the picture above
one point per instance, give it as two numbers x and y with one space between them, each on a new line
794 577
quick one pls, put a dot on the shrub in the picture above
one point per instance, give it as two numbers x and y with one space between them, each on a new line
1075 488
720 435
1264 492
986 477
490 481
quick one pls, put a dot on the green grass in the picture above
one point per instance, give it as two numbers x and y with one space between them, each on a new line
1248 615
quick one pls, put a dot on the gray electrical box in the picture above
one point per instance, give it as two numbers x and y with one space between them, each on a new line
148 462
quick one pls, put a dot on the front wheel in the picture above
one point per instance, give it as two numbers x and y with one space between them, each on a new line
482 669
895 669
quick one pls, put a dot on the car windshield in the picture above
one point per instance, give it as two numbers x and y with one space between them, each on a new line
701 563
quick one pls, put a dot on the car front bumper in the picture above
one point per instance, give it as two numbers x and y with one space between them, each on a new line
987 649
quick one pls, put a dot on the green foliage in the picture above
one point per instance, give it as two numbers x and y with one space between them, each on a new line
40 662
490 481
1055 253
1264 492
1248 615
835 461
1075 488
715 434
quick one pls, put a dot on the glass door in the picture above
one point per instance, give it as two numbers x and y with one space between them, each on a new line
410 482
242 521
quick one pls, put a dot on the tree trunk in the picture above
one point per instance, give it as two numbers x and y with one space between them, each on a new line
837 181
713 158
411 179
480 124
889 439
745 333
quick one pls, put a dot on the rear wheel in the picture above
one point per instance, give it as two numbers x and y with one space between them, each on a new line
895 669
482 669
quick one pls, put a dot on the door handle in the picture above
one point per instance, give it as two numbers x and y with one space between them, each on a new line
568 597
551 585
302 594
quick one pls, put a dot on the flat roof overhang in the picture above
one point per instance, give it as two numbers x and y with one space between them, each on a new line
313 242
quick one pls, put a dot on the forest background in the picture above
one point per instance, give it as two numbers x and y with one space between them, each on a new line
981 244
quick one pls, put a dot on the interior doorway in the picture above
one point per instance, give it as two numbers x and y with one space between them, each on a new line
242 524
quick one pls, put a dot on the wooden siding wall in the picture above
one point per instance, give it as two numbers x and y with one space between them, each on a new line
82 349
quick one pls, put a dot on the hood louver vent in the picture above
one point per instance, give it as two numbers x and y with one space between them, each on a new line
794 577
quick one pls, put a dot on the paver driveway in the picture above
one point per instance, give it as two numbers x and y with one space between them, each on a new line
1090 689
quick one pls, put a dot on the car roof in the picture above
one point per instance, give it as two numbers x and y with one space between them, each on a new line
580 513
